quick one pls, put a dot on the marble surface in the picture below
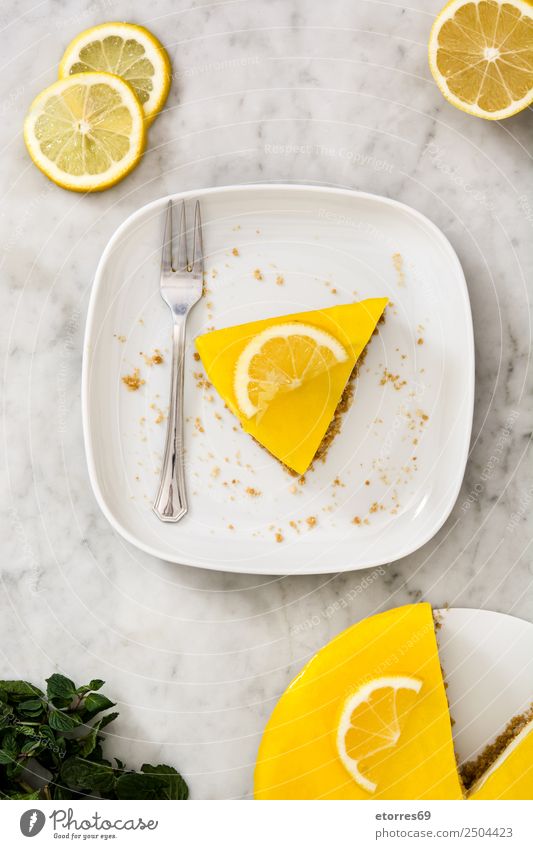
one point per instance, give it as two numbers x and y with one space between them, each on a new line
264 90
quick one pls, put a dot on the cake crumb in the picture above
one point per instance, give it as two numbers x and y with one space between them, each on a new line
133 381
155 359
280 280
420 341
120 338
235 252
231 527
311 521
356 520
394 379
258 274
279 537
196 356
201 380
215 471
254 493
198 425
397 261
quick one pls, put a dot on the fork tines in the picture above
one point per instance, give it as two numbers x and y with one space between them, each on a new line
191 261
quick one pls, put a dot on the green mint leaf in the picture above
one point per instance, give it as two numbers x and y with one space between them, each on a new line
94 703
28 729
87 775
94 684
31 709
176 785
19 690
31 704
109 717
8 748
153 782
61 721
31 747
60 688
88 743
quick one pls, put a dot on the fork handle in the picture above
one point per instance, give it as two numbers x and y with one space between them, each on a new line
170 504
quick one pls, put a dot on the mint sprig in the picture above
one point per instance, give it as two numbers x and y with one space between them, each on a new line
51 747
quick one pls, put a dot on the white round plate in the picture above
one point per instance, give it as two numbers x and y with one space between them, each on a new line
406 434
487 659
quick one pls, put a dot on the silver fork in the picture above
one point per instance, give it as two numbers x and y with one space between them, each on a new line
181 288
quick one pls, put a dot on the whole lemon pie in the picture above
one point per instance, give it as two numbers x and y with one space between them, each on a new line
285 377
368 718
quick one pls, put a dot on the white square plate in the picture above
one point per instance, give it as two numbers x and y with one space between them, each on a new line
393 472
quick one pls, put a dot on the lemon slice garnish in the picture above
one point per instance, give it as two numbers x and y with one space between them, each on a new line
130 52
86 132
481 55
371 722
280 359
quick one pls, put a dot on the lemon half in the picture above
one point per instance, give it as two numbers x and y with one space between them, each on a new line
86 132
481 56
130 52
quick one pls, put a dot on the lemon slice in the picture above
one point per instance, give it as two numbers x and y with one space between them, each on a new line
281 359
86 132
481 56
130 52
371 723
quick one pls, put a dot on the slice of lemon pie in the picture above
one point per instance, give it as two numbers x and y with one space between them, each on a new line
367 718
284 377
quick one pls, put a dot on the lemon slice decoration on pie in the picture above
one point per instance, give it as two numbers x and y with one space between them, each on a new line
86 132
280 359
127 50
481 56
371 723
